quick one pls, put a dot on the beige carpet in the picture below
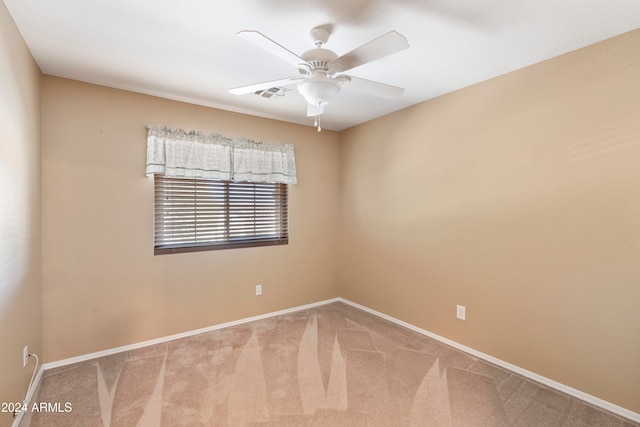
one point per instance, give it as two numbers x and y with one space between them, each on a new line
333 365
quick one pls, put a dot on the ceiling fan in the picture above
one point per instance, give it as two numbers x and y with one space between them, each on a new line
319 81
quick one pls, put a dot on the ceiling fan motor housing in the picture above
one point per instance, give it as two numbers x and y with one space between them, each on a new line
319 58
319 88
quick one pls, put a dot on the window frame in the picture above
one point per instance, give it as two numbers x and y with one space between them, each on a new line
249 202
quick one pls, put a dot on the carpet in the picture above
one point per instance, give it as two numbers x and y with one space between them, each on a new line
333 365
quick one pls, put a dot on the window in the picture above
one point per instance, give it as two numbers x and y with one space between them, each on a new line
200 214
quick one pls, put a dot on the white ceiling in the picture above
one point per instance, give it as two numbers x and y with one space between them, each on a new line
189 50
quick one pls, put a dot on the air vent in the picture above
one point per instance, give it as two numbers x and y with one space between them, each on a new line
277 91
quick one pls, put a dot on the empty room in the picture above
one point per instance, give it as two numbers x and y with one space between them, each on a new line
320 213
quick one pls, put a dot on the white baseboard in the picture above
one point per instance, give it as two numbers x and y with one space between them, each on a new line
618 410
30 394
595 401
161 340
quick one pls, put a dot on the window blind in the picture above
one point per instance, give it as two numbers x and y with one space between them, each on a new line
199 214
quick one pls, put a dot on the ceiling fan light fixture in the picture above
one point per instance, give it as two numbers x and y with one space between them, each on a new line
319 90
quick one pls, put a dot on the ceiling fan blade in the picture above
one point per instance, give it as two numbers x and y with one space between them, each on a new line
264 85
269 45
384 45
370 87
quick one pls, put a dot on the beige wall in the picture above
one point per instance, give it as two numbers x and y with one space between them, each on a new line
20 230
520 199
103 287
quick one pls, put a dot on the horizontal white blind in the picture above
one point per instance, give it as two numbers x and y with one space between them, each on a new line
199 214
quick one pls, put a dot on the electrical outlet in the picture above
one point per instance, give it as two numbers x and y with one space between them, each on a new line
461 312
25 356
258 289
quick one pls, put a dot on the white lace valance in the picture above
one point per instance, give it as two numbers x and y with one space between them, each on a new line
176 153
